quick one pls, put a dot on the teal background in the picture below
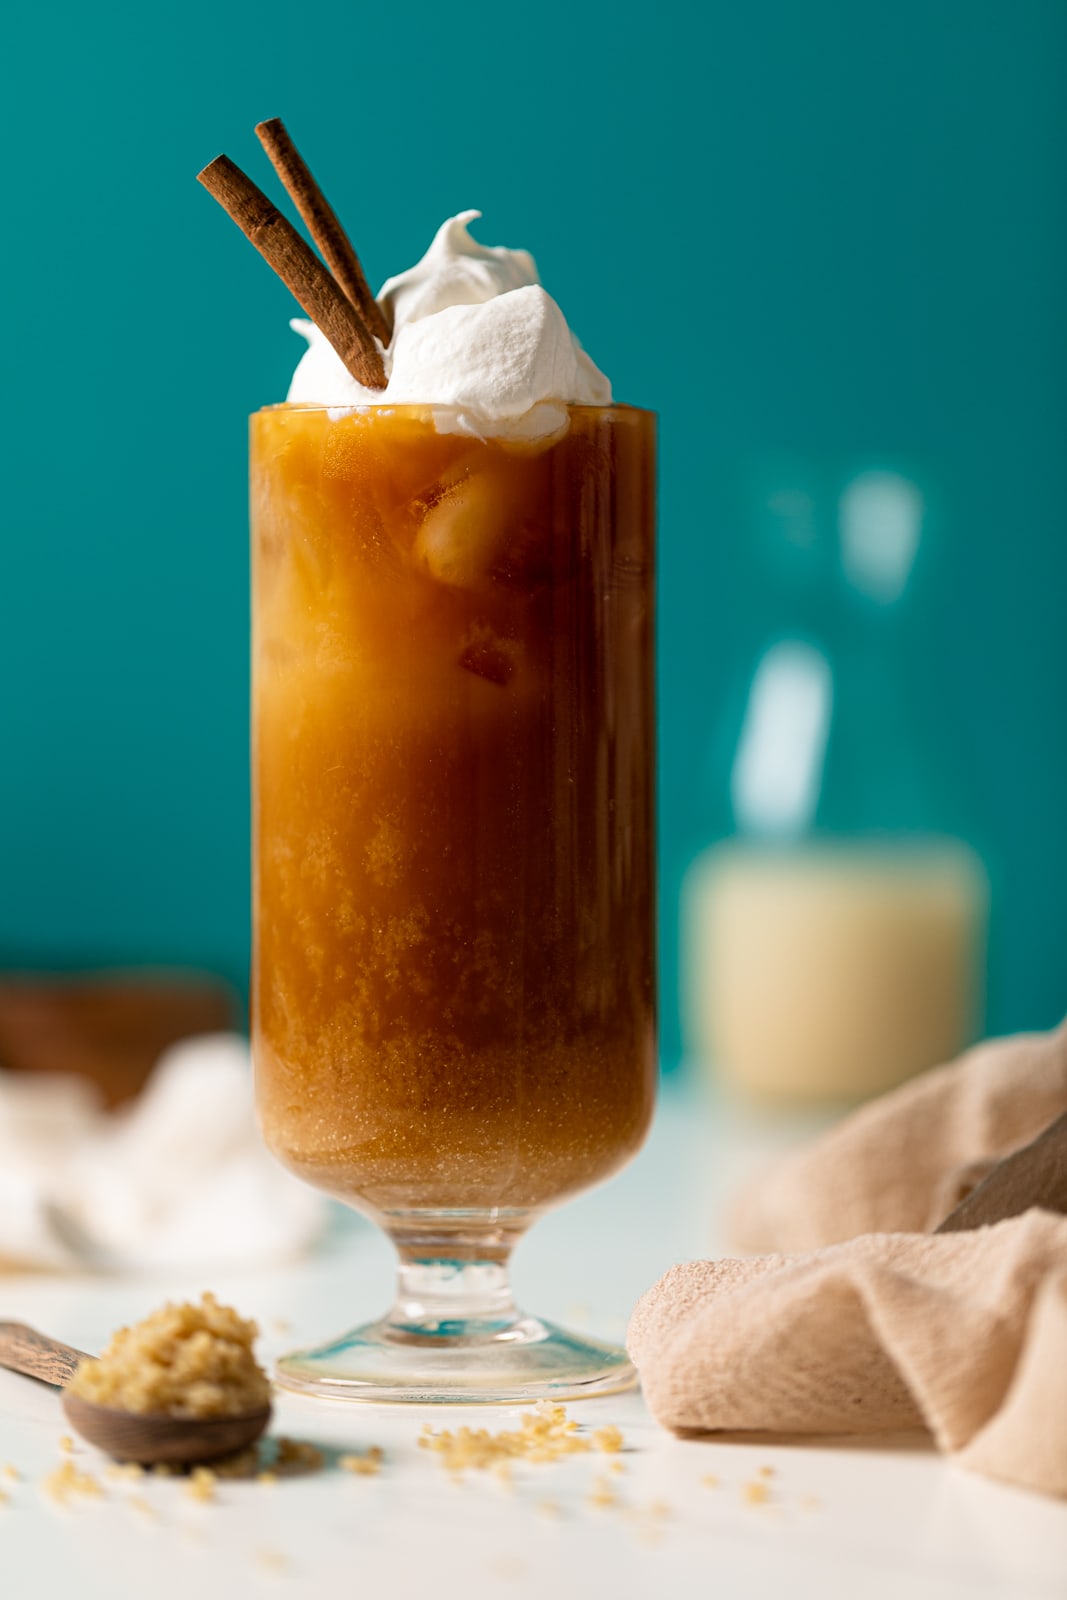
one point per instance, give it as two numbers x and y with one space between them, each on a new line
829 231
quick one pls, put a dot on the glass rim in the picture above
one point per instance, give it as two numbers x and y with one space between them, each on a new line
430 408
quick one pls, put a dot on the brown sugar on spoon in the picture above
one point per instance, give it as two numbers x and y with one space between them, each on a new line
190 1360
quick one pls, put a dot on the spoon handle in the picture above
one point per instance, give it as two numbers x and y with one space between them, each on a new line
23 1349
1036 1175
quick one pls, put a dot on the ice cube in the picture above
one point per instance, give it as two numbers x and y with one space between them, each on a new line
489 658
462 536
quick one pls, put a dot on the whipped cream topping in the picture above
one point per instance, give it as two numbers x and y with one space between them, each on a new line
475 334
456 271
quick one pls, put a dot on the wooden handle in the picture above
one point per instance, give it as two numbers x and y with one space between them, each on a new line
23 1349
1036 1175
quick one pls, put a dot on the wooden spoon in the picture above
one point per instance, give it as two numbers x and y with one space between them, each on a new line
1036 1175
144 1437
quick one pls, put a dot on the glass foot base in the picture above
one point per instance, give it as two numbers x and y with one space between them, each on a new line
519 1359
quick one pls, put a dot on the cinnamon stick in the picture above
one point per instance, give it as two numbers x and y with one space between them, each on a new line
298 267
320 219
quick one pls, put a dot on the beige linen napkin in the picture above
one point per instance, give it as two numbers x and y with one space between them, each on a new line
903 1162
963 1330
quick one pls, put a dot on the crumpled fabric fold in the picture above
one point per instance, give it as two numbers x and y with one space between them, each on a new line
963 1332
856 1317
178 1178
901 1163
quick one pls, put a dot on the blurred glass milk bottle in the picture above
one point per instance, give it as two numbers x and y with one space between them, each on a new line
835 945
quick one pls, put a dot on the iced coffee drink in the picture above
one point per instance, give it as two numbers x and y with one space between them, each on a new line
453 1007
452 770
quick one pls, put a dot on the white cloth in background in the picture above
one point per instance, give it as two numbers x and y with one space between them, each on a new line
178 1178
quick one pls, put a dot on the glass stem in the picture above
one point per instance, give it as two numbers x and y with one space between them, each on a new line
442 1298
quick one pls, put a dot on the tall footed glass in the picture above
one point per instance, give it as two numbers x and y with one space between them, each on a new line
453 754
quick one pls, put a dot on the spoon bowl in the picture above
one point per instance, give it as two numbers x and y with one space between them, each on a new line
154 1438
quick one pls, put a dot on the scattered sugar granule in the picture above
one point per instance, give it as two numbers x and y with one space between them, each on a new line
268 1477
544 1434
163 1469
124 1471
274 1561
242 1464
66 1481
603 1494
10 1472
66 1444
755 1493
608 1439
648 1521
296 1455
616 1465
710 1481
365 1465
550 1508
4 1497
138 1503
201 1485
507 1566
765 1472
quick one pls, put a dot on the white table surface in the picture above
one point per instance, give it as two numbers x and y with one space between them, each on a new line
844 1518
